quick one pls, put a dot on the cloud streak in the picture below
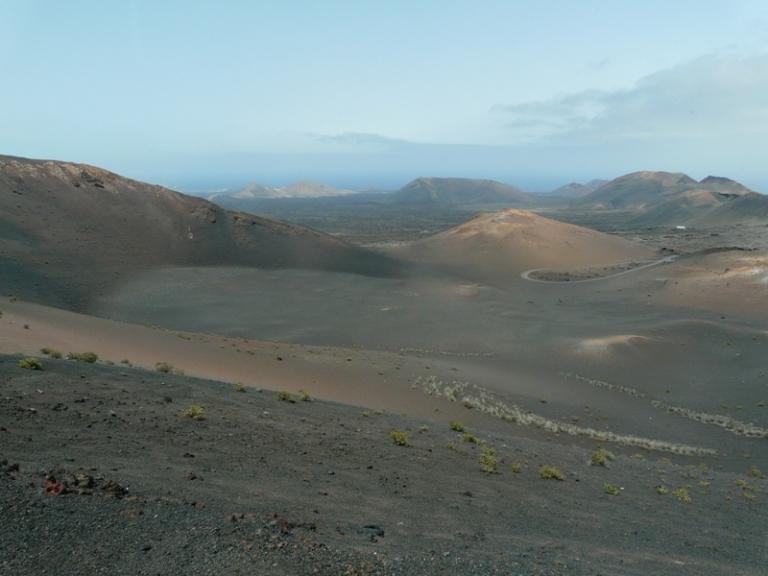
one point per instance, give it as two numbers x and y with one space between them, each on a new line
709 99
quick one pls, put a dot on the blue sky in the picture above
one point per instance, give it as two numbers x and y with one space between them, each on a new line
202 94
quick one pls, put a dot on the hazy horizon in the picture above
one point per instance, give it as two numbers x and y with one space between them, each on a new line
362 96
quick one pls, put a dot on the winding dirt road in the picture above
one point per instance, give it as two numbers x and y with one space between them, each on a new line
527 274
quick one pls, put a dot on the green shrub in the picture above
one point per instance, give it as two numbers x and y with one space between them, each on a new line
53 353
611 489
470 438
551 473
399 438
662 490
755 472
30 364
682 495
194 411
489 462
601 457
285 396
516 467
423 428
89 357
240 387
456 426
743 484
304 396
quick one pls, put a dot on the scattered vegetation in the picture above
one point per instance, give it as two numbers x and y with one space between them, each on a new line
53 353
30 364
89 357
399 438
489 462
304 396
456 426
125 361
662 490
194 411
516 467
682 494
240 387
285 396
551 473
611 489
423 428
601 457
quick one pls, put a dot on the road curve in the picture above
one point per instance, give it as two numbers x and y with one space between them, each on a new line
527 274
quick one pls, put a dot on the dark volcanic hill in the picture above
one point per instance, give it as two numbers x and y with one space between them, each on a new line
750 208
665 198
68 229
456 191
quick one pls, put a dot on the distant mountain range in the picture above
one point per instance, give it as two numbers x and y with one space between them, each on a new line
303 189
417 194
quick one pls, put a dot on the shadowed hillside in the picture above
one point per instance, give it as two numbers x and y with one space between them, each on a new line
69 229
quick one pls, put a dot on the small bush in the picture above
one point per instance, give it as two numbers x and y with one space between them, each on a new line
423 428
399 438
469 438
164 367
304 396
743 484
682 494
89 357
611 489
194 411
601 457
53 353
755 472
30 364
551 473
285 396
240 387
125 361
516 467
662 490
456 426
489 462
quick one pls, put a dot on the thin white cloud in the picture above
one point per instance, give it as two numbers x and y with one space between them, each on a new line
713 97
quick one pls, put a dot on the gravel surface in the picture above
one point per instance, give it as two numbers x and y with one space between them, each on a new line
102 473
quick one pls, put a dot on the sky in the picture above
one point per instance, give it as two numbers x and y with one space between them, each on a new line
202 95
